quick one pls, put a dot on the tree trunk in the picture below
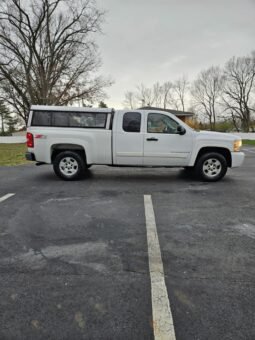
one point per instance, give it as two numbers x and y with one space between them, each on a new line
246 121
235 122
2 123
245 125
211 124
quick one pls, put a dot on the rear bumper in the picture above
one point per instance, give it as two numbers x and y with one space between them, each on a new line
30 156
237 159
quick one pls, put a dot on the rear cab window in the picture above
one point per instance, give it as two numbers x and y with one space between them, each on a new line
132 122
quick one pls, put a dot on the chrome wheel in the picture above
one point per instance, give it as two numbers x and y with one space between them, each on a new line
212 167
68 166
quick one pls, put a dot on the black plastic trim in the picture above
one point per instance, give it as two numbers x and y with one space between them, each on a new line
30 156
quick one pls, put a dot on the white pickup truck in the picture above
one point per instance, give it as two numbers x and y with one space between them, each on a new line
73 139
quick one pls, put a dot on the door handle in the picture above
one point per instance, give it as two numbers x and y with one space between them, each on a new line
152 139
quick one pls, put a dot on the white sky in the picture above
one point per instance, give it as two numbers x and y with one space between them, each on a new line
160 40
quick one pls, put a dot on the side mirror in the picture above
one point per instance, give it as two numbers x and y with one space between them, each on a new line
181 130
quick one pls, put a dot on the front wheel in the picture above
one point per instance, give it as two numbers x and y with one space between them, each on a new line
211 167
69 165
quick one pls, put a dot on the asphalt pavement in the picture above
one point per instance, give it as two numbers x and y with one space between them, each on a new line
74 255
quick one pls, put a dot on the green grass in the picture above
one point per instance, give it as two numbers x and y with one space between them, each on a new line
248 142
12 154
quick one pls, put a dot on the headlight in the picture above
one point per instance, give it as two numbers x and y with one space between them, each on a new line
237 145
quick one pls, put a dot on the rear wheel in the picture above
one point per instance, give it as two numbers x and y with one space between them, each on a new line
69 165
211 167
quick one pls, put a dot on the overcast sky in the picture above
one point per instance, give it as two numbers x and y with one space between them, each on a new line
160 40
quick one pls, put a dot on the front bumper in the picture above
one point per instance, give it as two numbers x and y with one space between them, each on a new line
237 159
30 156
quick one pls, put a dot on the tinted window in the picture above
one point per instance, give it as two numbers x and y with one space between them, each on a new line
132 122
76 119
60 119
41 118
88 120
69 119
158 123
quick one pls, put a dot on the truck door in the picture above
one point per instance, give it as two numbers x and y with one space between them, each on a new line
128 139
163 145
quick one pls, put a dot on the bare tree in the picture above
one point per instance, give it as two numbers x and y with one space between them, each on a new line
179 93
181 87
157 94
206 92
144 95
47 53
168 94
166 88
130 100
238 97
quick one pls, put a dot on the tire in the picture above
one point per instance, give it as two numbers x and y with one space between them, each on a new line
69 165
211 167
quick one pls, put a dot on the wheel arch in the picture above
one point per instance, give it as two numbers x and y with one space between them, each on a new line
223 151
60 147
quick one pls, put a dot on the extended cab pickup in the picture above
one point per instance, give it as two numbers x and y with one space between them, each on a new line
73 139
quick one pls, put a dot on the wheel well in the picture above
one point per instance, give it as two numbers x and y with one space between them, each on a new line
57 148
223 151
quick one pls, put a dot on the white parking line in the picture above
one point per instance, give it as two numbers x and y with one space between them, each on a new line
5 197
163 326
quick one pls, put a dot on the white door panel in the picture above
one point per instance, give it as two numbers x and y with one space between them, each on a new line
129 148
128 145
163 145
167 149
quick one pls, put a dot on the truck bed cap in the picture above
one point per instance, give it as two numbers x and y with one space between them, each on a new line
69 108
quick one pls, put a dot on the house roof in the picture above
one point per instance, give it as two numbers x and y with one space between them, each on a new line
175 112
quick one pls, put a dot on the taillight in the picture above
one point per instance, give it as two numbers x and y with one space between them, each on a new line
30 140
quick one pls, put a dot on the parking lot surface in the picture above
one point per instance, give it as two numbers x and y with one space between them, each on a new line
74 255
